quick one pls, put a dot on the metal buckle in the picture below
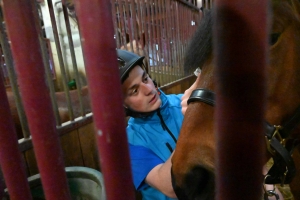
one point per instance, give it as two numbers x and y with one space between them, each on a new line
269 193
277 133
278 136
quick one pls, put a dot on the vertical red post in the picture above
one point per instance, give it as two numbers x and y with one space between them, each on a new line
99 48
26 51
240 46
11 161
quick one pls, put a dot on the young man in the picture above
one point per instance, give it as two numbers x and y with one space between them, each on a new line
152 130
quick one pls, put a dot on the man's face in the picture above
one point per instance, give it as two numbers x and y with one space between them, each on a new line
139 91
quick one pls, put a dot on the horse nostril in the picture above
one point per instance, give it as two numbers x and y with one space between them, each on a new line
180 193
198 184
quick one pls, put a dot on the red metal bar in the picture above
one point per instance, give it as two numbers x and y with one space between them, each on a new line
26 51
2 187
99 49
240 46
11 161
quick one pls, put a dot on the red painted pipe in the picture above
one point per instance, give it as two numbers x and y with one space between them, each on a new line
2 188
99 47
26 51
240 46
12 165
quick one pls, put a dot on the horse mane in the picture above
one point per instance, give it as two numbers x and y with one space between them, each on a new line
200 45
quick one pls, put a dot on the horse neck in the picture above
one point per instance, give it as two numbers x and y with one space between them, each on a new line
207 75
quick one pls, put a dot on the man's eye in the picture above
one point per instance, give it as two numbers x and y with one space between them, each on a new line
134 91
146 79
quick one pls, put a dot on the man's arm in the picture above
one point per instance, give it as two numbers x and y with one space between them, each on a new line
160 178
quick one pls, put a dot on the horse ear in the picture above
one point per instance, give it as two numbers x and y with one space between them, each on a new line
296 5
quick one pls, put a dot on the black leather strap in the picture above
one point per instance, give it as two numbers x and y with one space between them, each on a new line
283 161
202 95
291 124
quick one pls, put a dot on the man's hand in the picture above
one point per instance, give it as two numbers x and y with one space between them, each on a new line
187 94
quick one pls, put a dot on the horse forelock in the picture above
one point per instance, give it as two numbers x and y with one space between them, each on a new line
200 45
286 12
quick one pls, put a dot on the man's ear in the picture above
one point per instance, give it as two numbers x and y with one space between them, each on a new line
127 111
155 84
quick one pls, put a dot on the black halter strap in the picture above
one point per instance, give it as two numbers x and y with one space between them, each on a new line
291 124
202 95
283 169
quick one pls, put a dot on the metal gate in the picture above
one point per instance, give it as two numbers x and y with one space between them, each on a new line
40 60
26 39
159 30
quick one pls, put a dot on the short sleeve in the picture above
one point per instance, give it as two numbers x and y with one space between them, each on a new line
143 160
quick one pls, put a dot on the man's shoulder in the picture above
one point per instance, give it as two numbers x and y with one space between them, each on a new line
174 102
174 99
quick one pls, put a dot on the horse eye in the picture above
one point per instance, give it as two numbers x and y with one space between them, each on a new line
274 38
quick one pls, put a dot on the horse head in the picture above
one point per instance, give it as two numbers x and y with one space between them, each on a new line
193 163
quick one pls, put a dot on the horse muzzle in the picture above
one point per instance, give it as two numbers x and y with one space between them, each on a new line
196 184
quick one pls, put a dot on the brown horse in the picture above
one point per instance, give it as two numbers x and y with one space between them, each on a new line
61 104
193 163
